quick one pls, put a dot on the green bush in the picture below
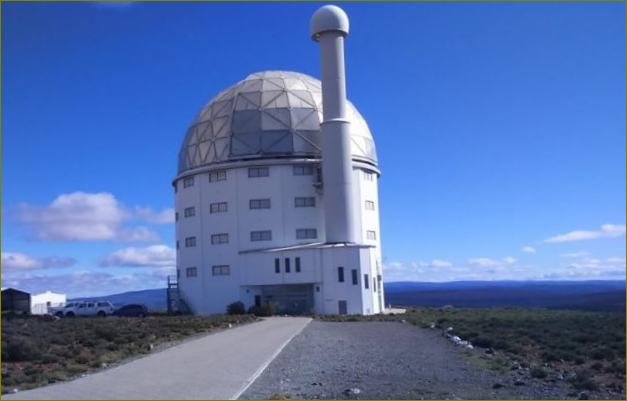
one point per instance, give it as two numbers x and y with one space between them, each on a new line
538 373
21 349
266 309
482 342
236 308
583 381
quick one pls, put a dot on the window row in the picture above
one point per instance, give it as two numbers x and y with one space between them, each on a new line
355 278
287 266
263 235
217 270
254 172
222 207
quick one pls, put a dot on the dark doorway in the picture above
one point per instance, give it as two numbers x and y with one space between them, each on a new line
342 307
257 300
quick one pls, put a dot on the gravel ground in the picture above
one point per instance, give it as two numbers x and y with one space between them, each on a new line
387 360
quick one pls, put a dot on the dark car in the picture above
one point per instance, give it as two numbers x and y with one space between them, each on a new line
132 310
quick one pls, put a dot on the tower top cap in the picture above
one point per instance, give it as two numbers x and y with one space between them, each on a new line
328 18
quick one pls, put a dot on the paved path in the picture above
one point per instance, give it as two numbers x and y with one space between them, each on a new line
218 366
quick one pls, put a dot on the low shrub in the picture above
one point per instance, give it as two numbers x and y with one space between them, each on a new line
21 349
266 309
538 373
583 381
236 308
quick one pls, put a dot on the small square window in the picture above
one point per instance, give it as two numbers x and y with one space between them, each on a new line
218 207
372 235
222 238
254 172
188 182
189 212
259 204
190 242
306 233
305 201
191 272
218 175
221 270
265 235
369 205
303 169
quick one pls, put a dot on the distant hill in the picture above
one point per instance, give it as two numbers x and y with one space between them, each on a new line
584 295
153 299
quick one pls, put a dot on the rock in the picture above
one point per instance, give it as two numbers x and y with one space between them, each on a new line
470 346
352 391
432 325
230 325
103 365
497 385
559 376
519 383
583 396
489 351
403 321
14 390
449 329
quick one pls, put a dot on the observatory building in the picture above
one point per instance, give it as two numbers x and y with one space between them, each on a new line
277 193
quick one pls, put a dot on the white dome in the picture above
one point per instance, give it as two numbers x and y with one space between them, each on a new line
272 114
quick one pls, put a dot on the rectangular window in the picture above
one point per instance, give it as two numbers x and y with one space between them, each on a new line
218 175
340 274
368 176
287 265
371 235
222 238
176 187
191 272
188 182
190 242
259 204
366 282
189 211
177 246
254 172
305 201
221 270
297 264
218 207
277 265
374 284
176 216
261 235
369 205
303 169
355 277
379 282
306 233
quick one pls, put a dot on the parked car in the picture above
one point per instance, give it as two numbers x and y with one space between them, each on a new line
87 308
132 310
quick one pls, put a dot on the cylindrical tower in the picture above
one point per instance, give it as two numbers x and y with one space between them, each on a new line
329 27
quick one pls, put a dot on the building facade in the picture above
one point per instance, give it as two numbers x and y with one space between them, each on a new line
252 196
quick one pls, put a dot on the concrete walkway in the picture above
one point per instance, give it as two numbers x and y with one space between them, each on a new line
217 366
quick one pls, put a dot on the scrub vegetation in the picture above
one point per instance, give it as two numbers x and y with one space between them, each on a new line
38 350
586 349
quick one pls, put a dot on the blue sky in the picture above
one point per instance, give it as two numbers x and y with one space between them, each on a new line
500 130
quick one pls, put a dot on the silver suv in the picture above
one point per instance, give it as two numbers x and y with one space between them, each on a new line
86 308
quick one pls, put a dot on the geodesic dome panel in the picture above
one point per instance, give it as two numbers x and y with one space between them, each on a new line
268 114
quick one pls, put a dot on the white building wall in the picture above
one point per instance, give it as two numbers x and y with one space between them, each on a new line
41 302
207 294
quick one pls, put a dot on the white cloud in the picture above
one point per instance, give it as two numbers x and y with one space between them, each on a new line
81 216
20 261
606 231
155 256
165 216
529 249
484 262
509 260
440 263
